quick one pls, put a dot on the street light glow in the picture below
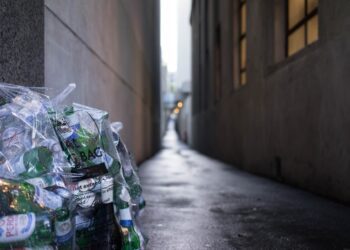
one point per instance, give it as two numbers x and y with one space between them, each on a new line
180 104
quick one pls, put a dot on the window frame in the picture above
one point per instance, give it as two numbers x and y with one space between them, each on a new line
303 22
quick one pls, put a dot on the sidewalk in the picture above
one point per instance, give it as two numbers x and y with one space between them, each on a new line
195 202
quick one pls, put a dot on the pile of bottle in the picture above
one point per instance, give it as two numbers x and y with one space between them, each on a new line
67 180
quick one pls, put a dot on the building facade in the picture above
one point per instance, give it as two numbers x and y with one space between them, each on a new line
109 48
184 71
270 89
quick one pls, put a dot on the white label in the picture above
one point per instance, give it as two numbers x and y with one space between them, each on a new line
91 184
47 199
86 185
83 191
125 214
107 189
73 120
16 227
86 199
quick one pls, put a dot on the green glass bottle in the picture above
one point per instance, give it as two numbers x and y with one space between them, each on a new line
25 230
34 162
64 229
72 118
126 239
126 222
79 136
22 197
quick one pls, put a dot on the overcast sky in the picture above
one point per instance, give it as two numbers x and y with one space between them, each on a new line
169 33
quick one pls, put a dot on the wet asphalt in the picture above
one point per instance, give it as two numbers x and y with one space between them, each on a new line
195 202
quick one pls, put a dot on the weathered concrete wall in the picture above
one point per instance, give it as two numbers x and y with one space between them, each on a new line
22 42
291 121
110 48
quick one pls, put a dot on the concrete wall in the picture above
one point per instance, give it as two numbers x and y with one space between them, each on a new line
22 42
291 121
110 49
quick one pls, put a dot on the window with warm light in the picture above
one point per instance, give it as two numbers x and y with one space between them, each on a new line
302 24
243 42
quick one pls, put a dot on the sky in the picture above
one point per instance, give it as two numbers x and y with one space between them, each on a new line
169 33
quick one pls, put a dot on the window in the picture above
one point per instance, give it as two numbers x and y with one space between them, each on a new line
302 24
242 42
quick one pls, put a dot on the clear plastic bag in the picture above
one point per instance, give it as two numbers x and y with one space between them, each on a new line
96 176
134 192
28 147
129 166
62 174
32 164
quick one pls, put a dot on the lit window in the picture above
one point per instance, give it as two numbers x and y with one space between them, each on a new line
302 24
243 42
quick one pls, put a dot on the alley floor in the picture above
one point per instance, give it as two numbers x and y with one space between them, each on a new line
195 202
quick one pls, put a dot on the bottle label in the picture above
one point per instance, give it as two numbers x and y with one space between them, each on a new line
90 184
83 191
47 199
16 227
86 199
73 121
125 214
126 223
106 189
63 230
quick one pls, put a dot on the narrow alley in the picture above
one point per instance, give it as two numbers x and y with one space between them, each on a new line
195 202
237 113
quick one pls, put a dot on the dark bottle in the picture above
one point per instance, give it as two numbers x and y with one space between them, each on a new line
115 235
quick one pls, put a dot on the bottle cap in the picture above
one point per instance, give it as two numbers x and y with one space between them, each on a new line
125 231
